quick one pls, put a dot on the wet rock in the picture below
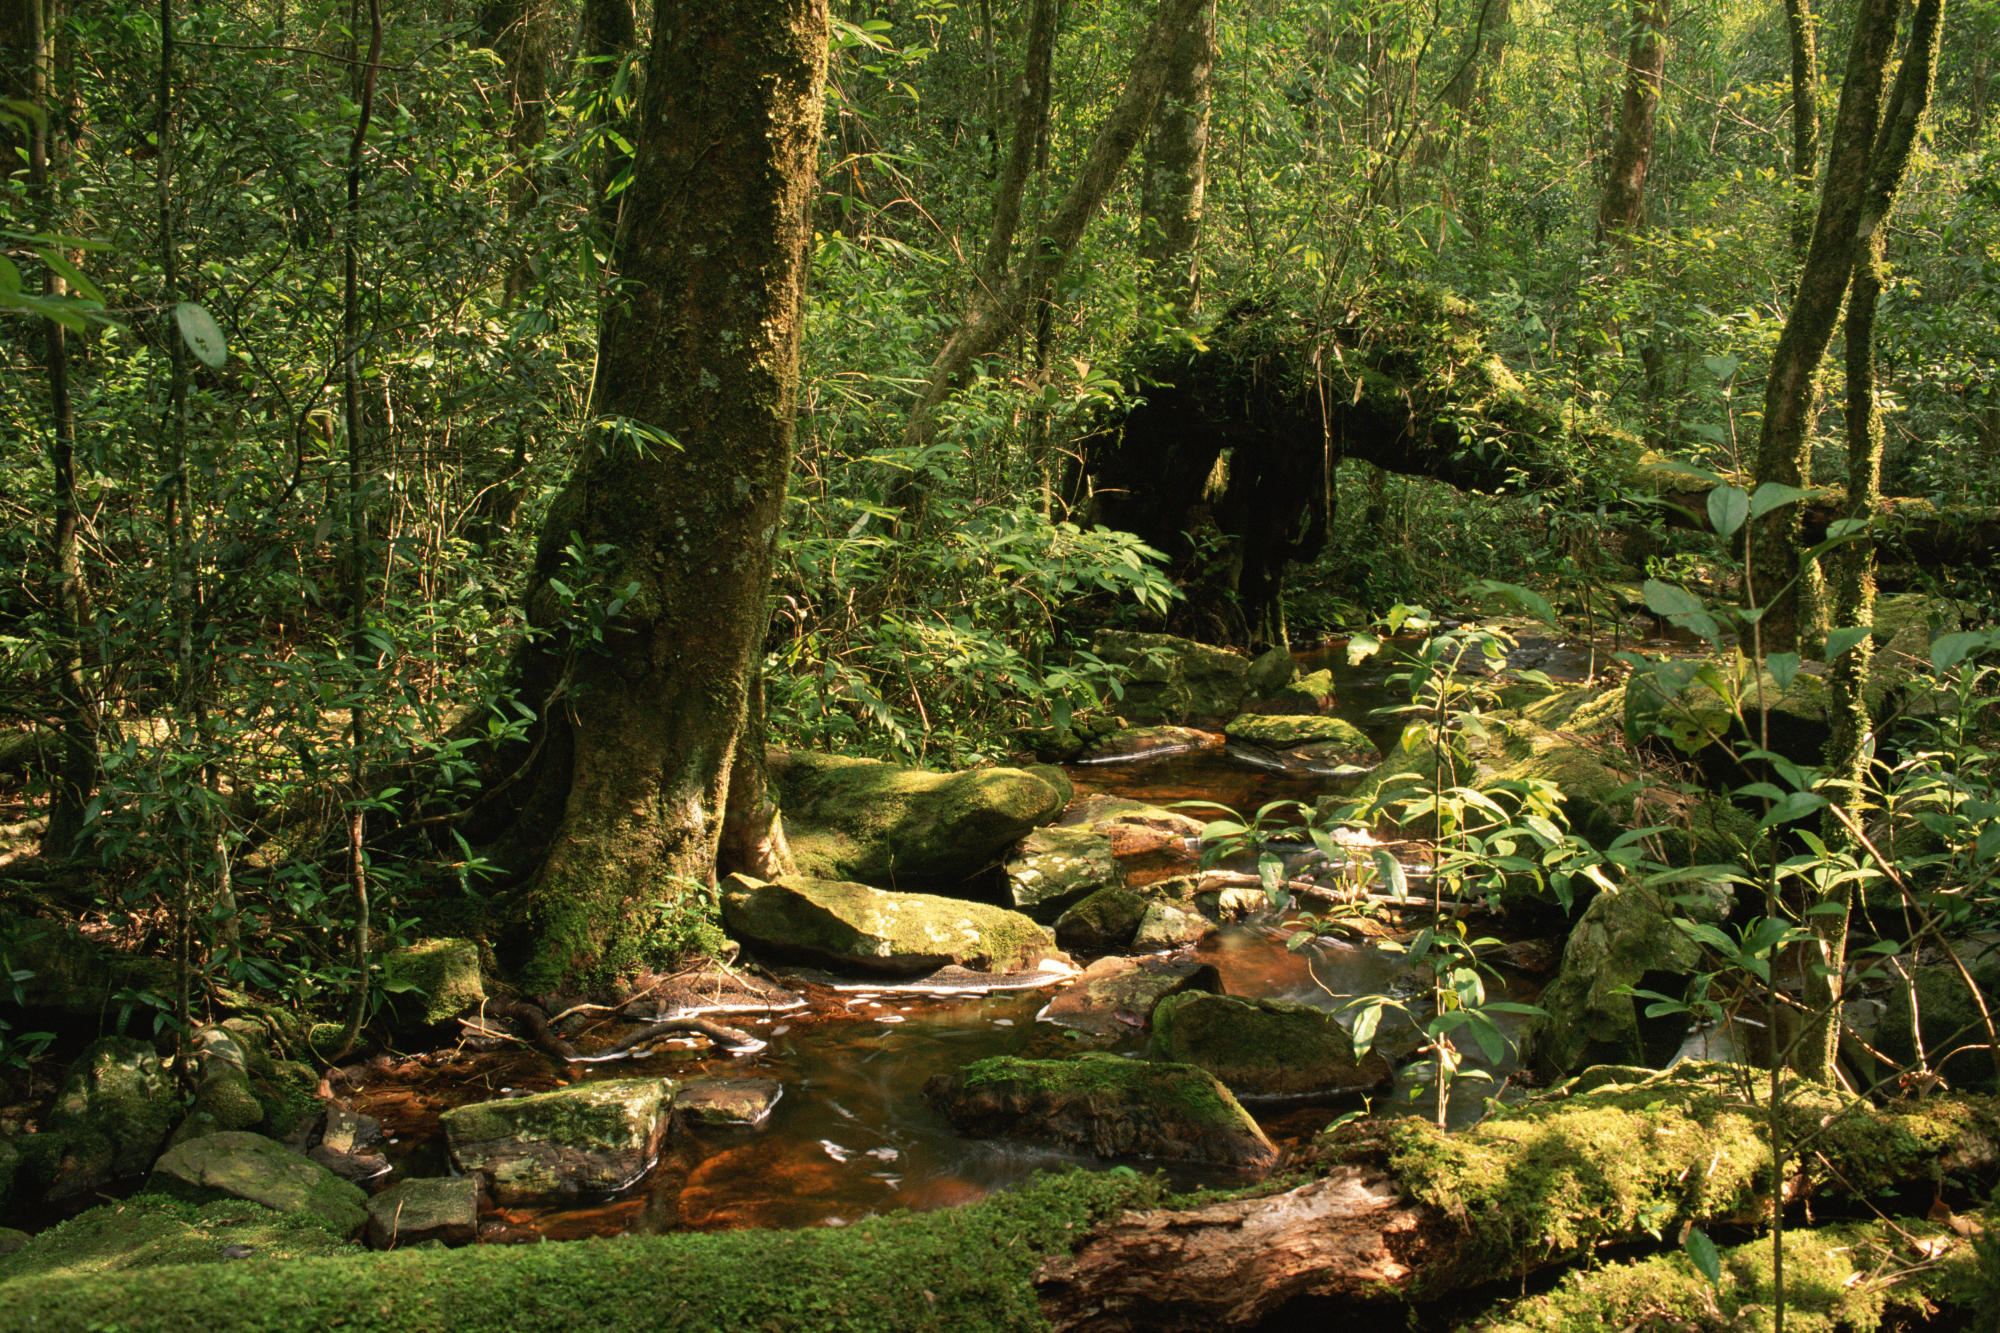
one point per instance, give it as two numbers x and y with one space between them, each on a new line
1534 957
1947 1017
1281 730
1263 1048
1166 927
1307 694
1106 920
1132 744
1135 828
444 1209
432 981
347 1145
114 1110
1270 671
224 1101
743 1102
1168 679
878 823
1115 996
1056 867
236 1164
1104 1105
712 989
897 933
1626 937
1062 745
591 1139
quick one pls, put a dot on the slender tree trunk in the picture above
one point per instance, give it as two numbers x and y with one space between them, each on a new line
1801 29
676 506
1622 210
995 315
521 32
1031 113
1854 566
1176 167
1784 442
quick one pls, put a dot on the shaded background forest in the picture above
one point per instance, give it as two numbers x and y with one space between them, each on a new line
257 615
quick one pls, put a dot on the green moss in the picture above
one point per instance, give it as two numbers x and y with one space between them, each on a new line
1855 1277
964 1270
433 981
153 1231
28 1165
234 1164
288 1095
1281 730
852 924
1105 920
1190 1092
1262 1047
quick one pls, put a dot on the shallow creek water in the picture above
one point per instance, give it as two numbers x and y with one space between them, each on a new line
852 1134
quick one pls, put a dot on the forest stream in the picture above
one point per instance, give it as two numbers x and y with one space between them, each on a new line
851 1133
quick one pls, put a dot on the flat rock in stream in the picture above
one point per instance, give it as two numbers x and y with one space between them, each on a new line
1135 828
853 925
588 1140
712 989
1115 996
444 1209
1169 679
1056 867
1105 1105
235 1164
1132 745
740 1102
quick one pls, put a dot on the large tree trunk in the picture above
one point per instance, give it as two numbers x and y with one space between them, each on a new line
1175 182
1622 210
1031 114
1779 582
1801 30
655 561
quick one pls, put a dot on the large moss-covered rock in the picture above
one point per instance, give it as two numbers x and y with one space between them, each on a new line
154 1231
1303 742
883 824
1104 921
74 977
1169 926
1115 996
28 1165
590 1139
1626 937
114 1110
432 981
1948 1018
1311 693
444 1209
1168 679
1055 867
235 1164
852 925
1135 828
1105 1105
1263 1048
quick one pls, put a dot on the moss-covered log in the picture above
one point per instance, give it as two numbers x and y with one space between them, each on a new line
1397 1212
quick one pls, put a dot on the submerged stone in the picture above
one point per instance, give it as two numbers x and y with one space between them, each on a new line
236 1164
899 933
1055 867
591 1139
114 1109
1263 1048
1105 1105
879 823
444 1209
741 1102
1115 996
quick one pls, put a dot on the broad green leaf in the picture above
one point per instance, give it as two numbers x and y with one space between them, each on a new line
1664 599
1365 1024
1728 507
1391 871
202 334
1783 667
1724 368
1702 1254
1843 639
1772 495
1795 805
1362 647
1951 649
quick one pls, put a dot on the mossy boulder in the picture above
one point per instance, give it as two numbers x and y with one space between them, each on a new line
1169 679
1056 867
444 1209
1104 921
28 1164
235 1164
1947 1017
852 925
1136 828
1314 692
224 1101
1304 742
153 1231
431 982
589 1140
114 1110
1263 1048
1115 996
741 1103
1166 926
1270 671
1105 1105
1129 745
883 824
73 977
1626 937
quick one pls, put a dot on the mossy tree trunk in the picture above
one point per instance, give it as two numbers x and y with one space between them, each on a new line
1622 209
1849 747
1174 184
655 561
1786 587
1802 34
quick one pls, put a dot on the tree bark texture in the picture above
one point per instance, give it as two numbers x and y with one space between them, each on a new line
1622 210
1031 113
655 562
1784 444
995 315
1848 749
1801 30
1175 182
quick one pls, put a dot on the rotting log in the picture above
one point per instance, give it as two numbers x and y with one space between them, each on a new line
1399 1212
